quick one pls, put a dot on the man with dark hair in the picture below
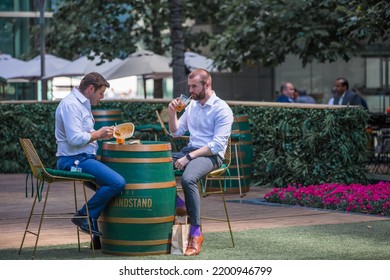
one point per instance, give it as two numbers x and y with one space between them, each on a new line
77 146
345 96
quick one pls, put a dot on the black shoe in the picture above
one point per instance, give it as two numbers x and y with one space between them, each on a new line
82 223
96 243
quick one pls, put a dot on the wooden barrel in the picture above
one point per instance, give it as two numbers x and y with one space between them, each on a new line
139 221
242 153
105 118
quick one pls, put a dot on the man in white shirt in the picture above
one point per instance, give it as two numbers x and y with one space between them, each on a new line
77 145
209 121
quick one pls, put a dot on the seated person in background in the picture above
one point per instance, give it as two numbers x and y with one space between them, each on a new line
76 140
209 121
304 98
287 93
334 93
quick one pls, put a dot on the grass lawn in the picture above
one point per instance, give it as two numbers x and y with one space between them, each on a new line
355 241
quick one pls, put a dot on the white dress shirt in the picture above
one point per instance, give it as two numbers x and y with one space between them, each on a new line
209 125
74 122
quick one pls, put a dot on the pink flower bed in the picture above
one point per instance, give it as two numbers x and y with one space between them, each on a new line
370 199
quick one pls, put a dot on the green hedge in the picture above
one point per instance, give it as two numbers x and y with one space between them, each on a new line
290 145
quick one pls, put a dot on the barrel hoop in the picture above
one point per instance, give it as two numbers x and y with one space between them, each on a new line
106 112
242 143
108 119
135 253
157 220
229 178
112 146
234 166
136 243
136 160
240 118
238 131
145 186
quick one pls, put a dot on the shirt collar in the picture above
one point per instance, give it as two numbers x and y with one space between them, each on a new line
210 102
81 97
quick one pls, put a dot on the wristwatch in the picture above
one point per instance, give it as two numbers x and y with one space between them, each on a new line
188 156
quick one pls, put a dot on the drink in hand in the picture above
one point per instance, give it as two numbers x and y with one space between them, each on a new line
182 102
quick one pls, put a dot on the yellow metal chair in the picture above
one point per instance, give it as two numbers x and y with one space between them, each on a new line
163 118
49 176
220 174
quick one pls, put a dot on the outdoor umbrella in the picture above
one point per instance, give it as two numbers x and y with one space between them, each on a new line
32 69
142 63
194 60
9 65
83 66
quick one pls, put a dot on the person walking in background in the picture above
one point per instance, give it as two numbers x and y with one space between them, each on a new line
286 93
345 96
77 145
209 121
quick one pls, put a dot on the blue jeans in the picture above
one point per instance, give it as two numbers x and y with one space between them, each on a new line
110 182
195 170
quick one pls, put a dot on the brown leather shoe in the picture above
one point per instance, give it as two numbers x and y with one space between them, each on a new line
181 211
194 245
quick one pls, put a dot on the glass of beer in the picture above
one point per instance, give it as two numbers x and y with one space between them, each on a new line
183 102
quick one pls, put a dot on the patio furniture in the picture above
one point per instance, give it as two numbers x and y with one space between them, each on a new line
49 176
162 118
220 174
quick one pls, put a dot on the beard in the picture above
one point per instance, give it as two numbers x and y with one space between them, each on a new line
199 96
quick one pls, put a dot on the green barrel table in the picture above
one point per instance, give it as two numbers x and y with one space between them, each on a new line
108 117
139 221
241 167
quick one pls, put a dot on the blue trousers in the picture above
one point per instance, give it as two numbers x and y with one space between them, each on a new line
110 182
195 170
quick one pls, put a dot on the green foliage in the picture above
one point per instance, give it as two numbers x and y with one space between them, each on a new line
290 145
307 146
117 28
26 120
247 32
315 30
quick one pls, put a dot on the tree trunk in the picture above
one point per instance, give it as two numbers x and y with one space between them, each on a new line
157 48
177 38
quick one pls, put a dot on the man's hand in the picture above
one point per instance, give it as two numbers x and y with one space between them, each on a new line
181 163
104 133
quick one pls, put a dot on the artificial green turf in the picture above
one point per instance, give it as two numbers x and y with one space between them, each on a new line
354 241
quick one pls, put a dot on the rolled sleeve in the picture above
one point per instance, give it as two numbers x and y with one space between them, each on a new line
222 132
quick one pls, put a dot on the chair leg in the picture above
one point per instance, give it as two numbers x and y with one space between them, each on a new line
87 216
89 220
76 209
225 208
41 219
226 212
238 167
28 222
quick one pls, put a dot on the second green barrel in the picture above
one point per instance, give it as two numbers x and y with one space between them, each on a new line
241 167
106 117
139 221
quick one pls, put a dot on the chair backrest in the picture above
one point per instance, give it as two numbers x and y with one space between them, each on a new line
160 120
33 159
228 153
